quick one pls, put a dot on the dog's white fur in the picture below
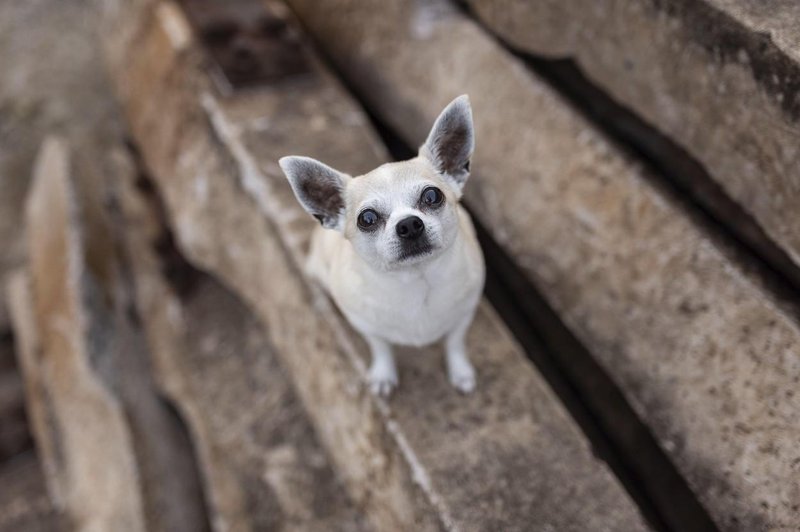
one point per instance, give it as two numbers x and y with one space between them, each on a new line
389 297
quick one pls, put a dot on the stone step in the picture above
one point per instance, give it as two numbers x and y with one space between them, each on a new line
705 357
262 466
24 504
113 454
720 77
506 458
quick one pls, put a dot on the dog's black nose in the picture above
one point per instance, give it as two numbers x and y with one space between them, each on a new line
410 227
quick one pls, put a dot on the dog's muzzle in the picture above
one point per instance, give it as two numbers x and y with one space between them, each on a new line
410 228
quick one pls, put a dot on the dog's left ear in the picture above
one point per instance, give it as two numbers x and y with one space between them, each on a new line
451 142
318 187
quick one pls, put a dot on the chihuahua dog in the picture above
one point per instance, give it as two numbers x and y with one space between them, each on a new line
396 251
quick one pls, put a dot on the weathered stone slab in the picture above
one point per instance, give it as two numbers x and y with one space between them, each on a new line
705 358
24 505
507 457
53 82
262 466
90 462
114 457
720 77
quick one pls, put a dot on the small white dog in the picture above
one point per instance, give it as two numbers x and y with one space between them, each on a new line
396 251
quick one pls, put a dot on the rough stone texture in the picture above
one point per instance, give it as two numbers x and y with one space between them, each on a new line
720 77
703 356
262 465
24 505
114 456
506 458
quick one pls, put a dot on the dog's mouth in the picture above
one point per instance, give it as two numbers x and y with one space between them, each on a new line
414 250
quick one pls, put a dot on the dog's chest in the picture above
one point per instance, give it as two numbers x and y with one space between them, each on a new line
412 309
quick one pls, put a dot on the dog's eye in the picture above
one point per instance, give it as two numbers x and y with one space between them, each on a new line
367 219
432 197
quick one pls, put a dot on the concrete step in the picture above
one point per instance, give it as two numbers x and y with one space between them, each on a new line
24 504
262 466
508 457
704 356
719 77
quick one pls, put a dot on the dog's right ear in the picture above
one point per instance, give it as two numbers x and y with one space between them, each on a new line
318 187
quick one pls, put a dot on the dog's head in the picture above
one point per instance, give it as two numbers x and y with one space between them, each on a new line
400 213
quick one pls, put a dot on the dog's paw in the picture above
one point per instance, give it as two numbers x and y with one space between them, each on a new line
462 376
382 381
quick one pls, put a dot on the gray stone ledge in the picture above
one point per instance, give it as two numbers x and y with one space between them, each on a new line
719 77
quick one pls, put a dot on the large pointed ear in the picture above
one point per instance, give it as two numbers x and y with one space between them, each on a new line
451 142
318 187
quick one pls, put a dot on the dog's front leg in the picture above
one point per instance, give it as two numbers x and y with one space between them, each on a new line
459 369
382 372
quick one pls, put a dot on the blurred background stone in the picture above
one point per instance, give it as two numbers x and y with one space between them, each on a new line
165 365
54 82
